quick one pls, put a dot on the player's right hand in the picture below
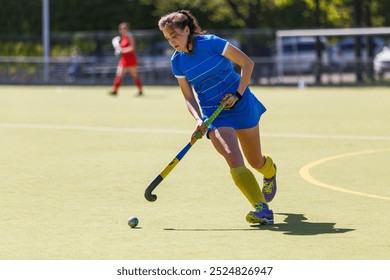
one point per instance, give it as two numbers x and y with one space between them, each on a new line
228 101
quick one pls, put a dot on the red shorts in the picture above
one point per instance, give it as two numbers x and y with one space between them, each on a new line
128 60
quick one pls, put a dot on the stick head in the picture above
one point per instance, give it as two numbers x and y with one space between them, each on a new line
150 197
148 192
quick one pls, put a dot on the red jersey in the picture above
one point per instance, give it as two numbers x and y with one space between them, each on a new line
128 59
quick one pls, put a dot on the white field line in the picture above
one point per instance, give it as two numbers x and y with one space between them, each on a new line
182 131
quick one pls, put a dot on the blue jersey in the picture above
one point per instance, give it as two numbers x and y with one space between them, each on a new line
212 76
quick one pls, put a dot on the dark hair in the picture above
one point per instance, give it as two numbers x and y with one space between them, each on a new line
181 19
126 24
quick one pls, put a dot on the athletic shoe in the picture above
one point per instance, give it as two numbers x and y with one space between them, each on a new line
113 93
140 93
262 215
269 188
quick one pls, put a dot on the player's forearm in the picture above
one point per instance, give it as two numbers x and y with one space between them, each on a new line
127 49
194 110
192 104
246 73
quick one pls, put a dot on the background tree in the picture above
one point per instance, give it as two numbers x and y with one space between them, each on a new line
21 20
24 16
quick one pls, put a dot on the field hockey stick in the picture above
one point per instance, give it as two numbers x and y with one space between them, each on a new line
148 192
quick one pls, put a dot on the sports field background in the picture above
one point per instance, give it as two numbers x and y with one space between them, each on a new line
75 163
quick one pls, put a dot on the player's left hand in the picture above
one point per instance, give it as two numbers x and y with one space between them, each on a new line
200 130
228 101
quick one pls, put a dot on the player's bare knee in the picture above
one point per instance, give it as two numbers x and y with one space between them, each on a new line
234 161
257 162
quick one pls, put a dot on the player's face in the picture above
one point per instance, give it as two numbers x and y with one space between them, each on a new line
123 30
177 38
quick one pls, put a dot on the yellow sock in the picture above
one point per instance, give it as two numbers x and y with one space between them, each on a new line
246 182
268 170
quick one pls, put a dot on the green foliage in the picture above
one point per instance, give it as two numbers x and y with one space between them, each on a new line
23 17
20 48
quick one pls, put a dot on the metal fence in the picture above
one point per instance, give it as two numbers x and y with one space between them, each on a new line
96 65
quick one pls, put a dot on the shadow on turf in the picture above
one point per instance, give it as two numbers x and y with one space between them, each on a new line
294 224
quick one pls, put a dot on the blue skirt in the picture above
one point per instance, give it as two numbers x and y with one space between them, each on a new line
245 114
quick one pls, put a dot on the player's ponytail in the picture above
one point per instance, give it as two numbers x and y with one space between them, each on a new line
192 23
181 19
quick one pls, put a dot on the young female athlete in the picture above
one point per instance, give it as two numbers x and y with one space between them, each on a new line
204 63
128 61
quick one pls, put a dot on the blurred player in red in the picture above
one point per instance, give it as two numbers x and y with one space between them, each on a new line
125 46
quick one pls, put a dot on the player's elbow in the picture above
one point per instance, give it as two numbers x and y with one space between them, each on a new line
248 65
251 64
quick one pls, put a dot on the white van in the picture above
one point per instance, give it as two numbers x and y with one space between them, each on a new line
343 55
382 62
299 54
